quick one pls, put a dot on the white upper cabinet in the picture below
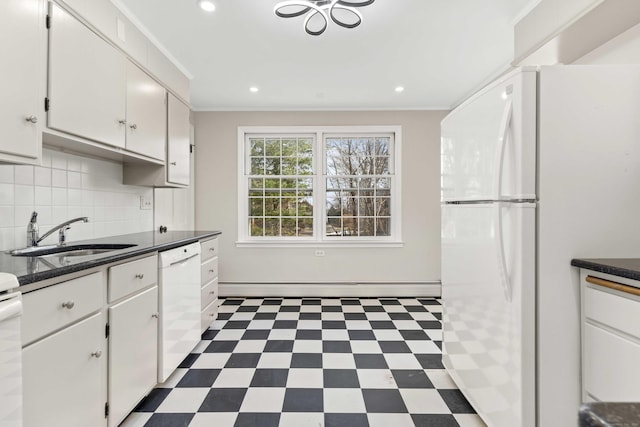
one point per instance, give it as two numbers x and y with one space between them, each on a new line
87 77
146 114
22 30
178 143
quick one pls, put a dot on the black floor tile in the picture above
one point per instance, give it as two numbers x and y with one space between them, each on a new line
415 308
285 324
270 378
389 302
383 401
236 324
382 324
355 316
430 361
303 400
332 309
370 361
334 324
250 419
189 360
289 309
310 301
336 347
309 334
434 420
359 335
223 400
400 316
169 420
428 301
340 378
416 334
456 402
248 309
199 378
411 378
373 309
209 334
394 347
265 316
350 302
224 316
243 360
256 334
272 302
346 420
232 301
310 316
306 360
430 324
153 400
279 346
221 347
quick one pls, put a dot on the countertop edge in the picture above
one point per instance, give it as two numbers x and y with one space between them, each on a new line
111 258
615 266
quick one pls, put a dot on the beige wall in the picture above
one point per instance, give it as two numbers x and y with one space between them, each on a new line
217 203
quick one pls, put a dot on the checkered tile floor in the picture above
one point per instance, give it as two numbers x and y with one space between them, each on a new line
313 362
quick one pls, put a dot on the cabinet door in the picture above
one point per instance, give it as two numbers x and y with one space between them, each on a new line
178 142
64 377
87 81
21 86
146 114
133 352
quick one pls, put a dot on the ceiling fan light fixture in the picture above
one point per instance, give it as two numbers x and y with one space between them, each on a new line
318 12
207 5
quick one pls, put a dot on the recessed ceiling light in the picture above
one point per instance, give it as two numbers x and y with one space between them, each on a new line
207 5
399 89
253 89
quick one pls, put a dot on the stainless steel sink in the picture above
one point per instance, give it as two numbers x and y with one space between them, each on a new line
68 250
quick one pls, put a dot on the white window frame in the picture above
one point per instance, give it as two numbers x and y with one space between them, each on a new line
319 185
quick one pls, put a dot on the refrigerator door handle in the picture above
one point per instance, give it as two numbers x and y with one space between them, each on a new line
505 126
502 265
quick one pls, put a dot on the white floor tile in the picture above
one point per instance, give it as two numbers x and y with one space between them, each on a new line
358 324
343 400
310 309
263 399
335 335
390 420
424 401
469 420
250 346
307 346
275 360
211 361
402 361
376 378
310 324
423 347
352 309
305 378
295 419
407 325
234 378
230 335
183 400
282 334
136 419
288 316
378 316
387 335
440 378
174 378
242 316
217 419
338 361
261 324
365 347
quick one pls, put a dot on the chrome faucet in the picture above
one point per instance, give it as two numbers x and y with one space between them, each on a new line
32 230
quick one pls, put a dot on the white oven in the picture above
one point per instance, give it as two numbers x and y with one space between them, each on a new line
10 353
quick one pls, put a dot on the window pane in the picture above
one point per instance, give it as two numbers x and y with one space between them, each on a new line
305 147
272 147
289 148
382 166
257 166
305 206
256 226
272 166
289 227
257 207
366 206
305 166
257 147
289 206
289 184
289 166
334 203
256 183
367 227
350 226
272 227
334 227
383 227
272 206
305 227
383 206
272 184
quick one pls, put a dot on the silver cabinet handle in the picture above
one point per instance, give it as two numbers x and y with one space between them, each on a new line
96 354
212 315
212 249
139 276
32 119
173 163
155 315
122 122
212 292
68 305
212 271
133 126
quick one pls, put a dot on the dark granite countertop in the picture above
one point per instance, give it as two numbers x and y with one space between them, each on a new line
621 267
605 414
34 269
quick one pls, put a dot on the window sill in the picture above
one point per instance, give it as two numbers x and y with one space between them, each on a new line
314 244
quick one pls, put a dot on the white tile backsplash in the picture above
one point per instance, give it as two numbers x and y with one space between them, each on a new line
68 186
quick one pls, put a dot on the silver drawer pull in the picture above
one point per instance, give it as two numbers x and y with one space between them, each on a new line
96 354
139 276
212 249
155 315
212 292
212 271
212 315
68 305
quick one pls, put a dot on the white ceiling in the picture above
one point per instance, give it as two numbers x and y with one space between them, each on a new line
439 50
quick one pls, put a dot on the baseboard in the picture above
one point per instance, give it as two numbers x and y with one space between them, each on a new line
426 289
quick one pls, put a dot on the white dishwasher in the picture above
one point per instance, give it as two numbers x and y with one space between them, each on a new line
10 353
179 306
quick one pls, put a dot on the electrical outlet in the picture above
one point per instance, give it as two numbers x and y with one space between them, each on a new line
319 252
146 203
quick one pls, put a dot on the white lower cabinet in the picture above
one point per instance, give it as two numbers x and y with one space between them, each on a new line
64 377
133 352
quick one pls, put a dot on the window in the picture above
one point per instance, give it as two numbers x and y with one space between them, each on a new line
319 185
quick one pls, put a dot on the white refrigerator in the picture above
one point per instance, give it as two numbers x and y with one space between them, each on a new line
539 167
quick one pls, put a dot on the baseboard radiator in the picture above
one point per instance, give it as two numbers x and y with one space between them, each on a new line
327 290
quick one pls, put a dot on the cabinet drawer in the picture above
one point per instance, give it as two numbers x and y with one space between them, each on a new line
209 270
130 277
209 249
612 310
49 309
610 366
209 293
209 314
